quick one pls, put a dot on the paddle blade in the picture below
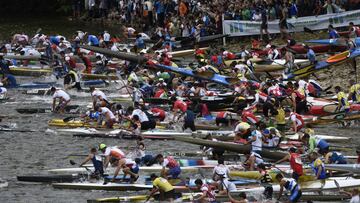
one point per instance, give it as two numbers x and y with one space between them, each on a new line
72 162
308 30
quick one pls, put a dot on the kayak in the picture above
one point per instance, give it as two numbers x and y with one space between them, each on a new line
34 72
353 168
257 176
338 57
276 65
186 52
311 186
68 109
338 41
300 49
230 146
207 75
300 73
331 108
86 76
337 118
324 137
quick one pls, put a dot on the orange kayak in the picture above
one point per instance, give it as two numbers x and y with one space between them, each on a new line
338 57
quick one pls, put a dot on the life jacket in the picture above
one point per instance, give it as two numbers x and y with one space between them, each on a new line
172 162
298 118
316 169
117 153
221 114
266 178
296 163
248 116
342 99
209 193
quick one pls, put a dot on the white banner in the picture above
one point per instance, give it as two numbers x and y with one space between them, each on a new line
244 28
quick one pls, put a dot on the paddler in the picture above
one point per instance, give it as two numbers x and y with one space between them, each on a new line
295 163
223 117
291 186
354 31
248 116
158 113
9 81
265 181
98 96
296 120
354 92
273 53
64 99
3 91
107 115
317 166
221 169
163 186
208 195
312 142
242 132
71 79
169 162
179 105
280 120
310 54
146 122
97 162
256 141
333 34
253 159
129 167
334 158
117 158
343 103
298 97
289 61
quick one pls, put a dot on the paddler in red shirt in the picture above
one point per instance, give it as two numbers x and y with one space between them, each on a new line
158 113
86 61
295 163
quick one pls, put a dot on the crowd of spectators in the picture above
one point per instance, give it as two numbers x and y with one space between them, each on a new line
188 13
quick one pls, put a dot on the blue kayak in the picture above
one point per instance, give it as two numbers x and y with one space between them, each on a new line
92 82
214 77
338 41
319 66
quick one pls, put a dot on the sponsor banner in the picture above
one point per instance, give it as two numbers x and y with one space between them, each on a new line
245 28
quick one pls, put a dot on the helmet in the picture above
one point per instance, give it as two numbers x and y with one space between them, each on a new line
102 146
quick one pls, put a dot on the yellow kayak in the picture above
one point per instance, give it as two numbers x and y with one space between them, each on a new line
36 72
256 175
86 76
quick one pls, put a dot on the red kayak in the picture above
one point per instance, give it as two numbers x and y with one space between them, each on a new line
323 110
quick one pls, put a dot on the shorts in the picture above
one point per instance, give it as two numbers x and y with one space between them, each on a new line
135 169
295 195
190 125
268 192
264 26
146 125
174 172
296 176
281 127
324 150
169 195
222 120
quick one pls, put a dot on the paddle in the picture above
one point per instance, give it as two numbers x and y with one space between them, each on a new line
70 118
308 30
72 162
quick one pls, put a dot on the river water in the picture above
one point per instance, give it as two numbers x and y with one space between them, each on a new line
35 152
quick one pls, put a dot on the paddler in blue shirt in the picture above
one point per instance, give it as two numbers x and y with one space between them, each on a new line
335 158
333 34
317 166
9 80
97 162
310 54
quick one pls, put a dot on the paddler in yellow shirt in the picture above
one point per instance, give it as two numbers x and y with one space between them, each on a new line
342 99
280 118
354 93
163 186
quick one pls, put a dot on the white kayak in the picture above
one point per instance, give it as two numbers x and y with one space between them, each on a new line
324 137
353 168
329 184
102 186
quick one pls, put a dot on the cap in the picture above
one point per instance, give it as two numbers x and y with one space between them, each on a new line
102 146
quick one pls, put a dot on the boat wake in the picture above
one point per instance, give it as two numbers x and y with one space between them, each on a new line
3 183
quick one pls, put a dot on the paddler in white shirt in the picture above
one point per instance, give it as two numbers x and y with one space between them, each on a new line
98 96
64 100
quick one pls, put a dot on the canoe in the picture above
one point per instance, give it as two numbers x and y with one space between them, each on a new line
69 109
338 57
230 146
30 72
276 65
